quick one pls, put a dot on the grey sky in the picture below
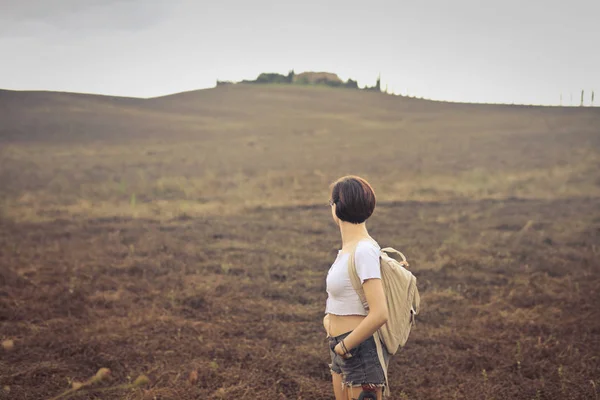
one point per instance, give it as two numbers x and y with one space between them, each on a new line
463 50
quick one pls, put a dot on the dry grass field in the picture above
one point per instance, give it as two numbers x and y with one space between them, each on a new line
188 237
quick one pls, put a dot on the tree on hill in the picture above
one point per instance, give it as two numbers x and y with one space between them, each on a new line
305 78
290 76
351 84
270 77
377 86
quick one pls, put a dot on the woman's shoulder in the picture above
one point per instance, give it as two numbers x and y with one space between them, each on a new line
368 243
367 260
368 246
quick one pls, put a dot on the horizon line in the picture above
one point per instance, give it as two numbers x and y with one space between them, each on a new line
230 83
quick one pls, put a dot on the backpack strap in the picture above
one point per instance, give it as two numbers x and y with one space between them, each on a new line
394 251
384 366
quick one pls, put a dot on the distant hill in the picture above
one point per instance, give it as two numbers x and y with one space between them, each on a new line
40 115
236 144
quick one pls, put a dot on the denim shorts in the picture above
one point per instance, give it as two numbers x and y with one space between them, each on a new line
363 367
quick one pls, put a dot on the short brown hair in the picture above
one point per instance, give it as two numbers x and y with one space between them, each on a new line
354 199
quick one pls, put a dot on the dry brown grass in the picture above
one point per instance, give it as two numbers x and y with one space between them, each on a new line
187 238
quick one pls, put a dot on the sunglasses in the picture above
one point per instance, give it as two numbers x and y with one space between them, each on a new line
331 202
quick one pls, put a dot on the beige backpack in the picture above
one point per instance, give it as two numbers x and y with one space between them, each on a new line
402 296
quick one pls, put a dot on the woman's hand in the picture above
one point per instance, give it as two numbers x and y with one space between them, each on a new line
339 350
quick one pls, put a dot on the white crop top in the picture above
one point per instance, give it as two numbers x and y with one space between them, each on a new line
342 299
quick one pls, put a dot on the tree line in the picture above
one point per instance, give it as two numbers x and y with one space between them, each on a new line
306 78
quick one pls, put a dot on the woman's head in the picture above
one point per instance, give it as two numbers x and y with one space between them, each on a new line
352 199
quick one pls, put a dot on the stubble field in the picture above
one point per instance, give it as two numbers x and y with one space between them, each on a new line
187 238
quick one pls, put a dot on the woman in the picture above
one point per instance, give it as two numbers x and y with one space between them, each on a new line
355 364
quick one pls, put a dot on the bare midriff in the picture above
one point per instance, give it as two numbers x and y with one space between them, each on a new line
336 325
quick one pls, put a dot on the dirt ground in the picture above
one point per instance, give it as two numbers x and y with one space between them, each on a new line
187 238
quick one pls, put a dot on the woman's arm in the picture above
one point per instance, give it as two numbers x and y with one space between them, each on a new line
378 315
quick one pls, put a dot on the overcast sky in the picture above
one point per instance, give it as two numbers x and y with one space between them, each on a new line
521 51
